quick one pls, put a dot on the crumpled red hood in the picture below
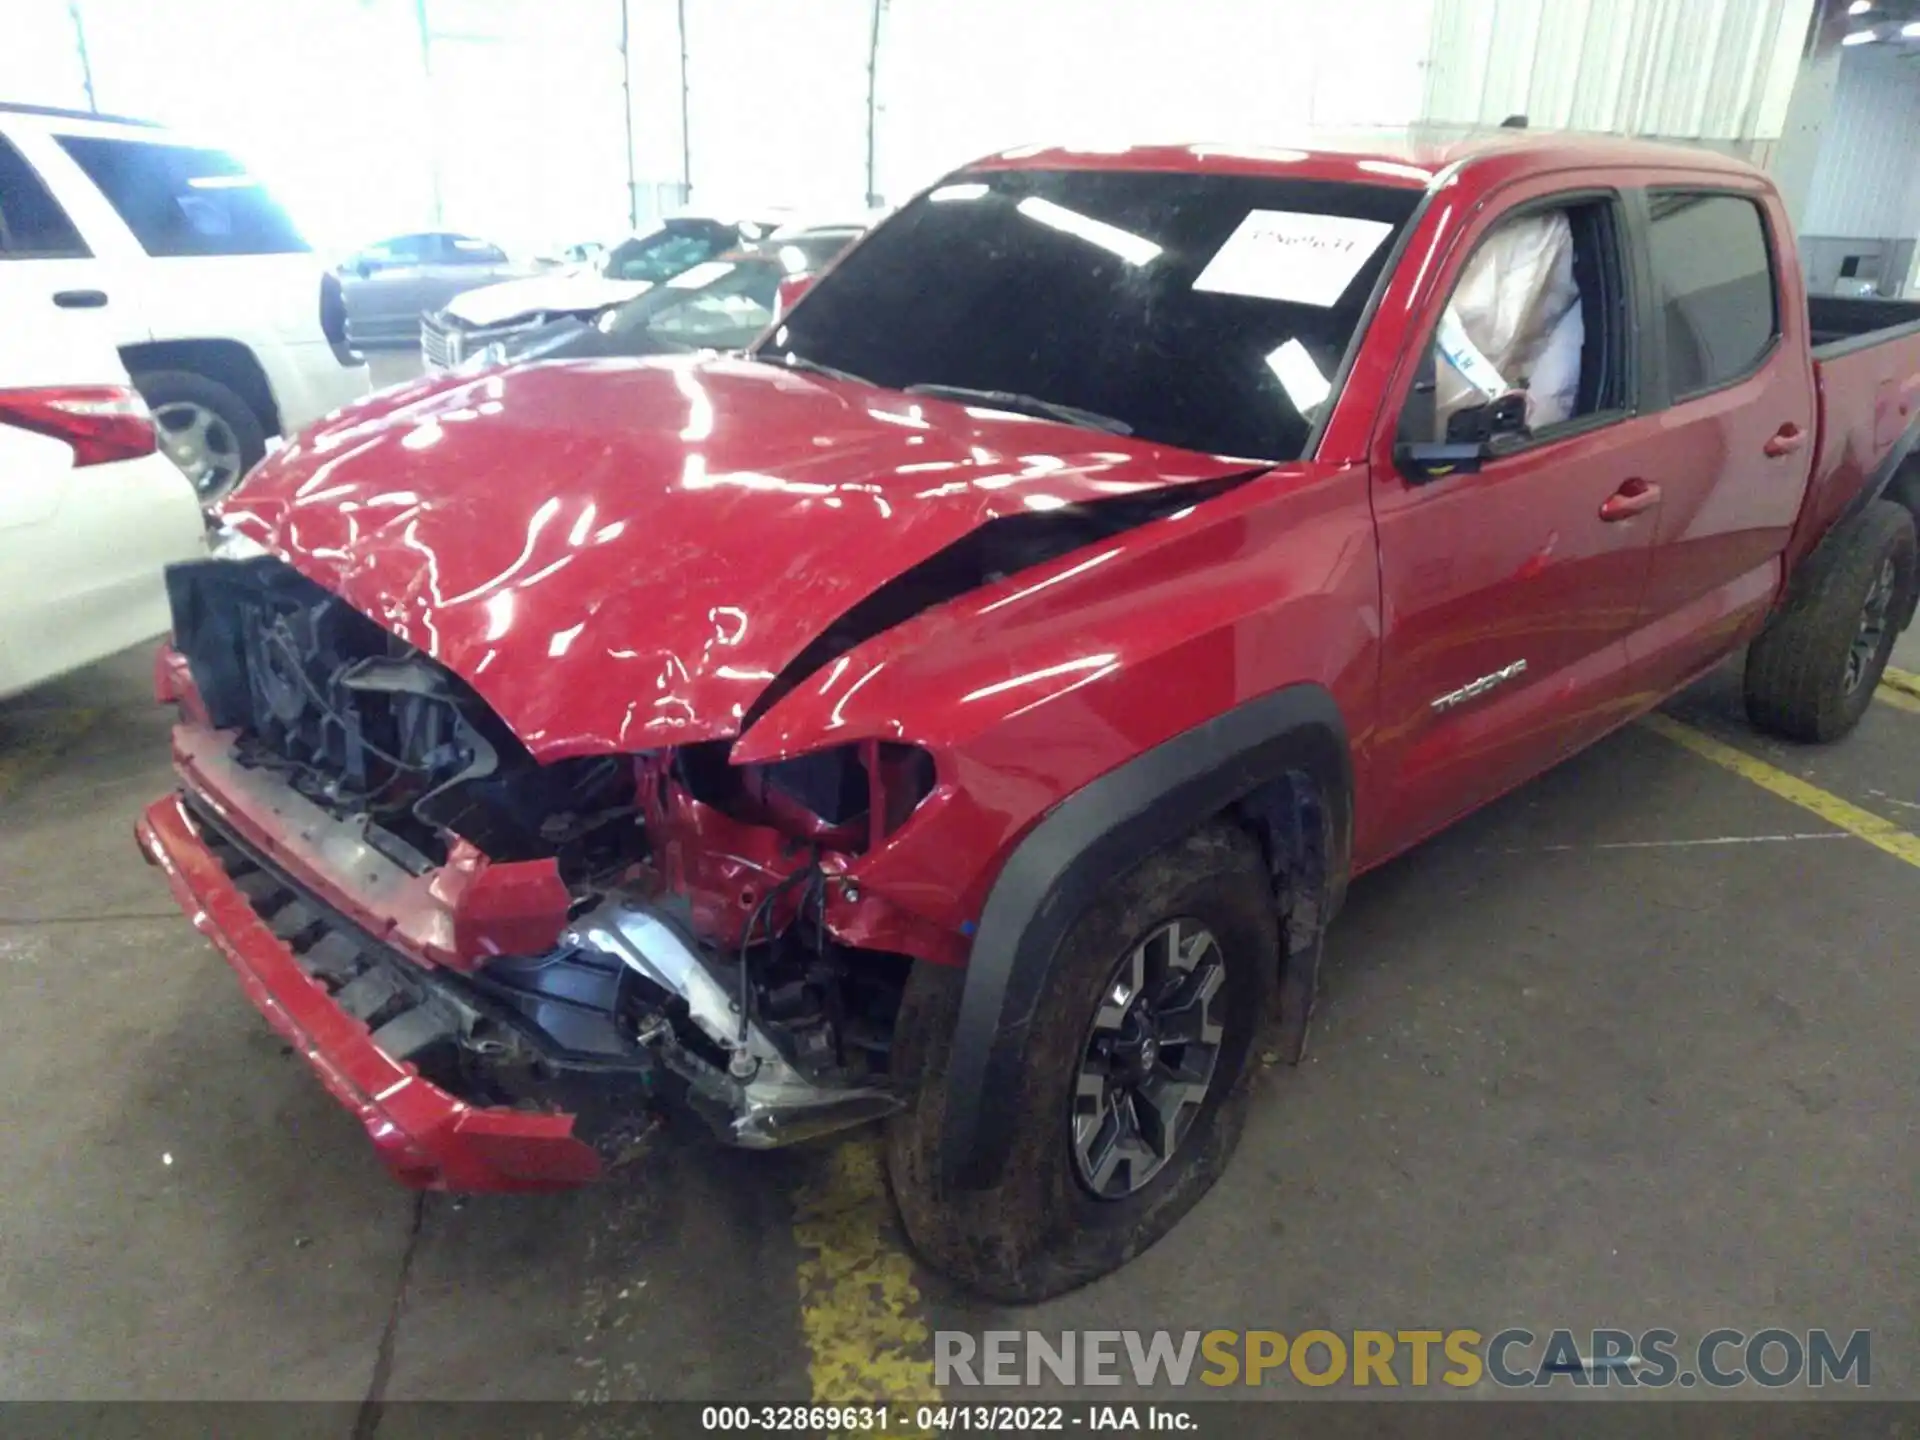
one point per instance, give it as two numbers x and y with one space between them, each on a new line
619 555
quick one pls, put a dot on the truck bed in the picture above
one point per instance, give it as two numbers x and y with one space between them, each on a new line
1838 325
1866 367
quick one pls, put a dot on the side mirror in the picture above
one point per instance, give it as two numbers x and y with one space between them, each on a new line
1475 434
791 288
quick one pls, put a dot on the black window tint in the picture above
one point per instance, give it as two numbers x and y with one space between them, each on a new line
179 200
31 220
1090 288
1714 276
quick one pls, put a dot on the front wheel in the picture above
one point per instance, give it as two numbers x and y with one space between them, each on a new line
1811 674
1132 1090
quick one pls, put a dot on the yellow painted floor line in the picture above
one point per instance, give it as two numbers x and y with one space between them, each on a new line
1903 680
859 1307
1890 694
1883 834
22 761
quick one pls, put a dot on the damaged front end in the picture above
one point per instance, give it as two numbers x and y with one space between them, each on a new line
500 963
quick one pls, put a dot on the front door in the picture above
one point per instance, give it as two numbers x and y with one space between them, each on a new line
1508 591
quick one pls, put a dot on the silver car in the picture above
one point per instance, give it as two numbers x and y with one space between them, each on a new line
389 284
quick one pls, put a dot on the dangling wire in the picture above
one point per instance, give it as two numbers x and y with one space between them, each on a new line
810 872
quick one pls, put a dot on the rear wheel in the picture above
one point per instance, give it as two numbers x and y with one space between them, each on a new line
1811 674
204 427
1132 1093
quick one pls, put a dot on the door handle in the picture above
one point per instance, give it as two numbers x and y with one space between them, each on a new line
1629 500
1784 441
79 299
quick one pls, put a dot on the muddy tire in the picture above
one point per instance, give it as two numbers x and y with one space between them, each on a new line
1042 1229
1811 674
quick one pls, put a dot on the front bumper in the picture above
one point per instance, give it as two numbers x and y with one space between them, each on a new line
428 1137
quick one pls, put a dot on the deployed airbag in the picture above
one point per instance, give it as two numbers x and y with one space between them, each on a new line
1514 323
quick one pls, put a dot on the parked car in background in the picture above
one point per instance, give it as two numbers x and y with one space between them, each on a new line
231 328
720 304
479 317
90 510
392 282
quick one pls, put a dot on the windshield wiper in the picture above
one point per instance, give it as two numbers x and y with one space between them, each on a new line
1025 405
812 367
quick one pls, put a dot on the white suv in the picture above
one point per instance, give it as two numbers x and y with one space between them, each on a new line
231 327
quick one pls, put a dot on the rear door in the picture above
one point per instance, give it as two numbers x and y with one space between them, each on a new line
219 255
59 328
81 546
62 313
1729 360
1508 594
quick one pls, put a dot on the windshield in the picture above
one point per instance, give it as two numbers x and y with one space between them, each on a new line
1205 311
720 304
664 253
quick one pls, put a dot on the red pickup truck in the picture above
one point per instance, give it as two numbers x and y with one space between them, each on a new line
966 710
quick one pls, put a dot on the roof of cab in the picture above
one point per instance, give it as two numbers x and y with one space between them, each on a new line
1412 157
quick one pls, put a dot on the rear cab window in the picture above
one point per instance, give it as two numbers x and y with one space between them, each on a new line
1207 311
32 224
1713 274
183 200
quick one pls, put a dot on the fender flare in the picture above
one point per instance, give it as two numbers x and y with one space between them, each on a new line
1100 831
1889 479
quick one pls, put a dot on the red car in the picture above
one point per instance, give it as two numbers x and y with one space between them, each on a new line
968 709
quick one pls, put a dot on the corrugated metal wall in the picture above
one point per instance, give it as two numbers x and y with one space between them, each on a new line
958 80
1716 70
1867 179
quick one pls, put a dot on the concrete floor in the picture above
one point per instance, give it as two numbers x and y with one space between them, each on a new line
1561 1076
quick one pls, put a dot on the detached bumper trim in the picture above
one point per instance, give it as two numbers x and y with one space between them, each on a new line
428 1138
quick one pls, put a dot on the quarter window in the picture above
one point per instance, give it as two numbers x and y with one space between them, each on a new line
1714 276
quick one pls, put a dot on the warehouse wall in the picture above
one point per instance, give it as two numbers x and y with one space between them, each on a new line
1867 180
1714 70
507 116
961 80
1863 200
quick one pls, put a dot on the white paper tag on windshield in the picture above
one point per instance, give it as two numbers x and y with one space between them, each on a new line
1292 255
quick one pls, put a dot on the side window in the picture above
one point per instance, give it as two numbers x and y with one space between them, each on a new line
1714 274
180 200
1534 335
32 224
400 250
465 250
